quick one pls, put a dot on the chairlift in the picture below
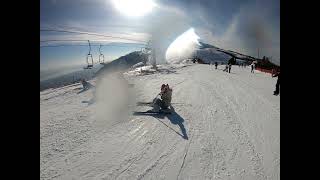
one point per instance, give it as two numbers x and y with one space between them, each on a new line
89 57
101 56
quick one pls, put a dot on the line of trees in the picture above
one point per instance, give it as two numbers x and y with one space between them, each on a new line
265 63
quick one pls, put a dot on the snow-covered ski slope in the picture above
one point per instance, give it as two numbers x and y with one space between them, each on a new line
225 126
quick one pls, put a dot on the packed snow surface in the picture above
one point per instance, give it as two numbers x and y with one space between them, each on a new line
224 126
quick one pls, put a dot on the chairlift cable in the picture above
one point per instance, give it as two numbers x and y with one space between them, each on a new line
89 47
64 45
88 33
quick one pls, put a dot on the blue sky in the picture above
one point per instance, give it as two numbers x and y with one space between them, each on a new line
241 25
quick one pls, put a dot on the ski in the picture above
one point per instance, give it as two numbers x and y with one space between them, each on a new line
151 103
144 103
150 112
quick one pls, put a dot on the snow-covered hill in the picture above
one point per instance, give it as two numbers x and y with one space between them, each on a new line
66 78
122 63
224 126
125 62
211 55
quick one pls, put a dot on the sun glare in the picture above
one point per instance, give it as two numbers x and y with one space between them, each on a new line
134 7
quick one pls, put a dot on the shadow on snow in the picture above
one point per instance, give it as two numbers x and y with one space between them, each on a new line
174 118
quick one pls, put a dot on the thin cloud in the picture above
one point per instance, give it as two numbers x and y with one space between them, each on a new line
249 30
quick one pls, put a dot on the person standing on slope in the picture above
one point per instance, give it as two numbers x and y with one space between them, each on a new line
86 85
252 67
277 91
226 68
216 64
232 60
165 101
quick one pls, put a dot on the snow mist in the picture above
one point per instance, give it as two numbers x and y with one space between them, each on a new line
112 98
164 30
183 47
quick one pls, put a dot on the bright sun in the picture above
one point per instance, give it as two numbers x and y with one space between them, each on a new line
134 7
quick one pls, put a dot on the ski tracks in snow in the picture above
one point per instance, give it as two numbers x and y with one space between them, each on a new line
220 133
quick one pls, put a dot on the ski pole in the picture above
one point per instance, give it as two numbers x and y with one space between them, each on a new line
157 95
155 98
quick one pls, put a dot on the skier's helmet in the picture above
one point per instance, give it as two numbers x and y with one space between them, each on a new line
163 86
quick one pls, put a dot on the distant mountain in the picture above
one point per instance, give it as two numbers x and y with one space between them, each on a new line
211 55
62 79
67 78
125 62
204 45
46 74
212 52
206 52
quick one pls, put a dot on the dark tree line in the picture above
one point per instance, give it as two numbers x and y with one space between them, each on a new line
265 63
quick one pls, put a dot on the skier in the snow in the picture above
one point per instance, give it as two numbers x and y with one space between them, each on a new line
277 91
226 68
216 64
232 60
252 67
165 101
85 84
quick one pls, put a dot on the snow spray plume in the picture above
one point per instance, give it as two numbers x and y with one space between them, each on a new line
164 30
183 47
112 97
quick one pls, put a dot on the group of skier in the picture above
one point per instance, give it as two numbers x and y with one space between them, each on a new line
162 103
227 68
253 67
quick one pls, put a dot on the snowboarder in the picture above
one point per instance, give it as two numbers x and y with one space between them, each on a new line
165 101
216 64
277 91
252 67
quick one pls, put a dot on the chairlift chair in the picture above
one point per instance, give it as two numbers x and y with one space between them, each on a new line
101 56
89 58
